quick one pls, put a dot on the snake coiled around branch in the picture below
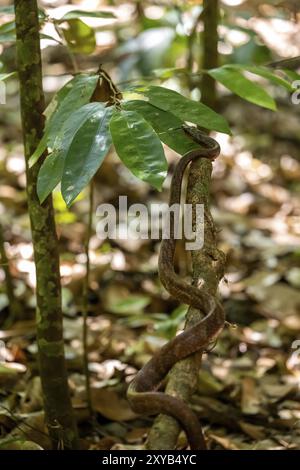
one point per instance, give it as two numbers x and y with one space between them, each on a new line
143 393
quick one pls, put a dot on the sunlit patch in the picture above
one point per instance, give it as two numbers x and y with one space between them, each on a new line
154 12
26 250
15 163
278 34
254 170
27 267
237 38
225 48
233 3
118 261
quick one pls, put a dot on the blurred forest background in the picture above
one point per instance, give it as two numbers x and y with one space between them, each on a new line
248 392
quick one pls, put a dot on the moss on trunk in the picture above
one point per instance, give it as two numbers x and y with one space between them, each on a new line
57 404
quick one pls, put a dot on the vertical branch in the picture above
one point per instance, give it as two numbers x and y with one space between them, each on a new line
85 301
210 58
191 39
57 404
207 263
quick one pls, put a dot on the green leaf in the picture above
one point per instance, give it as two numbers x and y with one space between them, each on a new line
46 36
169 72
74 14
272 77
5 76
183 108
139 147
59 96
166 125
80 37
71 97
131 305
50 175
8 32
86 153
292 75
235 81
51 170
265 73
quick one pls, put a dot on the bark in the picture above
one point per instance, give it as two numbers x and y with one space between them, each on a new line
57 404
208 263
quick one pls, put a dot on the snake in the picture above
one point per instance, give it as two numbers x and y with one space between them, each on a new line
143 392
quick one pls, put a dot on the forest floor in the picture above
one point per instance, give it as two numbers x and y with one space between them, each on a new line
248 392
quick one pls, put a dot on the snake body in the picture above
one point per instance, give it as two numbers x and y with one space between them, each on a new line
142 392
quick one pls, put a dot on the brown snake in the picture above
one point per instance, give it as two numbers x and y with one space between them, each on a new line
142 392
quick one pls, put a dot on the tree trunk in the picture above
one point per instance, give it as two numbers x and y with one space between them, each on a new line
57 404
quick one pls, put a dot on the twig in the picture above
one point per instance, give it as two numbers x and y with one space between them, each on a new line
85 300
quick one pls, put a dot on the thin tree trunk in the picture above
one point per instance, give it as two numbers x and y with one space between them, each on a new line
57 404
210 51
208 263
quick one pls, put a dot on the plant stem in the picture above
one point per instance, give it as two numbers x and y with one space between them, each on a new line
57 404
85 300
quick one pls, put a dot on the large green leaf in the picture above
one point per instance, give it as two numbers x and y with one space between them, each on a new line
183 108
139 147
271 76
74 14
51 170
80 37
50 175
264 72
59 97
166 125
86 153
235 81
71 97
